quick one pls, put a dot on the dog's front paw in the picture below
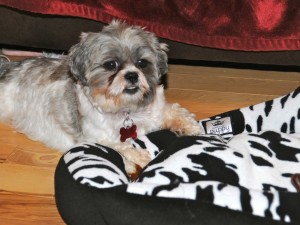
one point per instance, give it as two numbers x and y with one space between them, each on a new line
181 121
134 159
140 157
132 169
187 126
190 128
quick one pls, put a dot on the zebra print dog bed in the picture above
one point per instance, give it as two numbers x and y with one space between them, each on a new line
245 170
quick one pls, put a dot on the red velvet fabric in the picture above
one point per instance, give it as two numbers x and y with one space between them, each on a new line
249 25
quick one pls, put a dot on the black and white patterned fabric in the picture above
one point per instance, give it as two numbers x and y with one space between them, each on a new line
240 171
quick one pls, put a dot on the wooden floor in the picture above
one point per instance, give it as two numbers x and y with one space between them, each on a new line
27 167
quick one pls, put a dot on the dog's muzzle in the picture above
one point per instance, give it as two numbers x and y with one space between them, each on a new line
132 79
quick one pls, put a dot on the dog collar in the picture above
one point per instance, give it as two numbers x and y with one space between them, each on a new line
129 129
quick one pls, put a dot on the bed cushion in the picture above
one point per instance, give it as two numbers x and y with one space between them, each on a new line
239 172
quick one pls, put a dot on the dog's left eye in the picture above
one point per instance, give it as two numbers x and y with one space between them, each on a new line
111 65
142 63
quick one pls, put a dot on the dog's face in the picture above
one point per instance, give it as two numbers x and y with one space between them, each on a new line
121 65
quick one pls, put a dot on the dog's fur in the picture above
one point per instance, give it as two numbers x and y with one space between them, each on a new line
86 95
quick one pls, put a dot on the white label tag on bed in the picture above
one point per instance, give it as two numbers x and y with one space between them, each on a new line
219 126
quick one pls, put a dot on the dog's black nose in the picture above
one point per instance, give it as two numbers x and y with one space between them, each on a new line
132 77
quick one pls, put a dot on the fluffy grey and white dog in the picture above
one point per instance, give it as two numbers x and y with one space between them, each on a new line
109 80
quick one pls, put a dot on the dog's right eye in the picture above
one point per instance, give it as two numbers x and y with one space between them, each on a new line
111 65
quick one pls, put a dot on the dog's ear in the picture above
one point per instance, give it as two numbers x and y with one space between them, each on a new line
162 62
78 59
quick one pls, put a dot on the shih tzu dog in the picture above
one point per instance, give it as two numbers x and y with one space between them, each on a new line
106 90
